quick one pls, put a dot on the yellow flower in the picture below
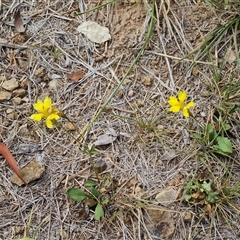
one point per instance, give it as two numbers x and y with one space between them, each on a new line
47 111
178 104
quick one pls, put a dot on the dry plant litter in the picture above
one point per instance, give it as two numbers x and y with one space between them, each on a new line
120 161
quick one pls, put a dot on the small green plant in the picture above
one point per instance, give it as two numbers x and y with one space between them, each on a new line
91 151
93 195
214 138
203 191
200 190
57 54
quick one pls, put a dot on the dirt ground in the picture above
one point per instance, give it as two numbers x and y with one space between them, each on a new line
136 160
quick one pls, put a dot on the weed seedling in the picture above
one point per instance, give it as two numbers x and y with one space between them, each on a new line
93 195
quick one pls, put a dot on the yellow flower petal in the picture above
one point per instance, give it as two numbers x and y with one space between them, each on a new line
36 117
185 112
49 123
38 106
173 101
189 105
182 96
175 109
51 119
47 103
53 116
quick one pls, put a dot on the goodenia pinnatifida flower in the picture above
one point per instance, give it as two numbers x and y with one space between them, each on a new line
177 104
45 110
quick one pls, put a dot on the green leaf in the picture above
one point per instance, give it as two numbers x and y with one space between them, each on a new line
105 201
198 136
226 127
76 194
211 133
212 197
187 197
224 144
82 151
107 183
94 192
206 186
99 212
90 183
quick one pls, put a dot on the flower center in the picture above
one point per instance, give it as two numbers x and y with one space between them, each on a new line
182 106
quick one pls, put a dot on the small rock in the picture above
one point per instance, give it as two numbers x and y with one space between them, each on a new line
6 123
40 72
100 166
17 100
55 76
154 62
32 171
139 192
46 78
167 196
120 94
23 64
161 224
11 114
160 127
23 130
54 84
69 126
107 138
99 58
130 93
10 85
4 95
9 110
2 78
195 71
187 216
19 92
147 81
24 83
108 108
139 103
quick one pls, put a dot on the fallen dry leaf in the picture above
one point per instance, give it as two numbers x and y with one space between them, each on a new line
76 76
18 23
11 161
